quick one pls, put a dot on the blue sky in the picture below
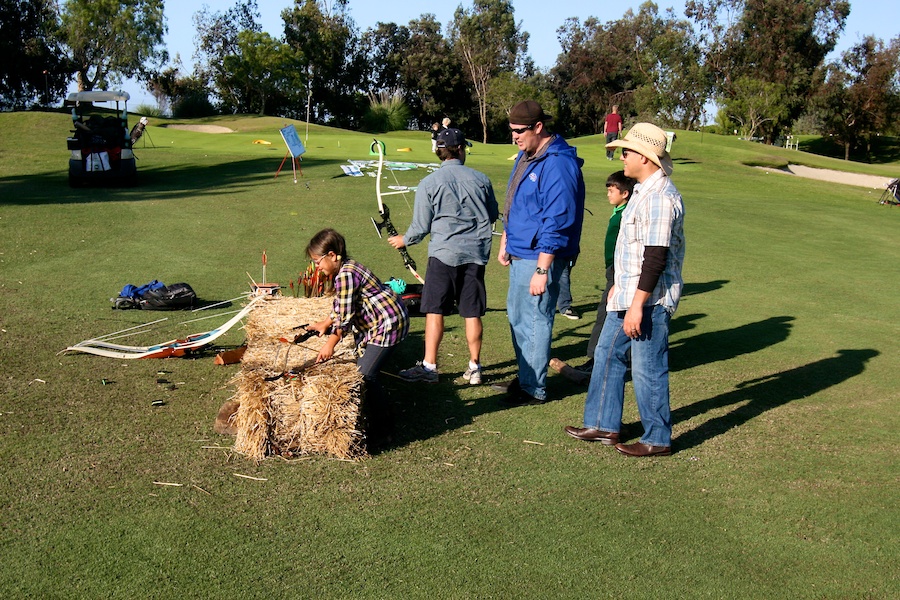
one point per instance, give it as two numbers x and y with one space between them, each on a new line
866 17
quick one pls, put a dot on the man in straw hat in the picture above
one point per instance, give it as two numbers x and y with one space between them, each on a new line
542 219
648 261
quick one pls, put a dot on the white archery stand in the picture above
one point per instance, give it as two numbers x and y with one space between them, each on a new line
295 150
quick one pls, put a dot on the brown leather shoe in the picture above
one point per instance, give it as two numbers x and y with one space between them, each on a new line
639 449
587 434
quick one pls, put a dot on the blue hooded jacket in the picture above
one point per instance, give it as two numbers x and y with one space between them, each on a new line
547 211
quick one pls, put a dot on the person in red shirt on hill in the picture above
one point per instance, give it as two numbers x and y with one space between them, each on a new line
612 127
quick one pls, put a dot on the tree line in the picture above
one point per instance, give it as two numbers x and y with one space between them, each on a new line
763 62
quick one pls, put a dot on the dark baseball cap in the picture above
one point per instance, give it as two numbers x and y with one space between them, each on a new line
528 112
450 137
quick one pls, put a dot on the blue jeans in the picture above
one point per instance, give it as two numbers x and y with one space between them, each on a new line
611 137
565 290
531 322
649 374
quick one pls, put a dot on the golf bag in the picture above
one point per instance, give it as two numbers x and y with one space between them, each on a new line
891 194
171 297
138 130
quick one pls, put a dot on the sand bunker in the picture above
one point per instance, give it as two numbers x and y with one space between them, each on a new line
202 128
857 179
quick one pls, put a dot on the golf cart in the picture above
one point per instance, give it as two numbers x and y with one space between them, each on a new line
100 143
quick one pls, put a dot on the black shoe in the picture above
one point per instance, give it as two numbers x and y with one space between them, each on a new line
522 398
510 387
587 367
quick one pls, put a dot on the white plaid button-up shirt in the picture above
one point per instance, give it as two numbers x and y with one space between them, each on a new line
654 217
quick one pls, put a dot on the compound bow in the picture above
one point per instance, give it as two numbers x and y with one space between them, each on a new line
385 213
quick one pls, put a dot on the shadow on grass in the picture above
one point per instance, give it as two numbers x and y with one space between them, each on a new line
715 346
426 410
170 182
588 312
694 289
757 396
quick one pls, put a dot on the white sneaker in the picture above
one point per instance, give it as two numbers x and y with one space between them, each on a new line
569 313
473 376
419 373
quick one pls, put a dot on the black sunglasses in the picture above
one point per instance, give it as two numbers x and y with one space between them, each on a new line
521 130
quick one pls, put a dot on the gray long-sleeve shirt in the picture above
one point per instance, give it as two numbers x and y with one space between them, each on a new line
456 205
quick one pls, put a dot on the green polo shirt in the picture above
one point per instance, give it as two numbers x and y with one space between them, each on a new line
612 232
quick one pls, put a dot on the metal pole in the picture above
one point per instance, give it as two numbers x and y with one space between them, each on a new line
308 103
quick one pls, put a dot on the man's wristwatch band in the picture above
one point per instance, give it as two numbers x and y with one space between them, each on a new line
540 271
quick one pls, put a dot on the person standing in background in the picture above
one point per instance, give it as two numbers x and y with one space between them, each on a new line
612 127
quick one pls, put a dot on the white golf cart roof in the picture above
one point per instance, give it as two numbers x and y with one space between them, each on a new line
98 96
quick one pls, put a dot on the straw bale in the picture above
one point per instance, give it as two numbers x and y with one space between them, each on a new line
318 410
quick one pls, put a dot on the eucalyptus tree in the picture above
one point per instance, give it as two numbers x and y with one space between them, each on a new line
385 47
674 81
490 42
110 40
433 76
590 74
781 42
217 38
328 48
860 98
646 62
263 76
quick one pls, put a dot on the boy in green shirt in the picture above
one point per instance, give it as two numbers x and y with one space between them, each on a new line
618 190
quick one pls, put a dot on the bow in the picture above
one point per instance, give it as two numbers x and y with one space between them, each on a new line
385 213
178 347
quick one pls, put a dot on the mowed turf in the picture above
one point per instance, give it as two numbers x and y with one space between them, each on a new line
784 393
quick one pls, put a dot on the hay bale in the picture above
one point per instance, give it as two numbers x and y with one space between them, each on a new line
224 423
316 411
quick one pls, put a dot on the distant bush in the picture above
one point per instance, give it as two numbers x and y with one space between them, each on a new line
149 110
386 113
193 106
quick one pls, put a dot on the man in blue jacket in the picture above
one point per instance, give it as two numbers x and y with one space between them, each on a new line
542 219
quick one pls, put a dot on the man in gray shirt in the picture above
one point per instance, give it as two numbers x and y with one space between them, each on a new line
456 205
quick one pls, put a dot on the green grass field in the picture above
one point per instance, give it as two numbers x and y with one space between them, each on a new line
785 384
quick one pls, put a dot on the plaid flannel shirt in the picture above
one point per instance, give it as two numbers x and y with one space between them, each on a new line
363 304
654 216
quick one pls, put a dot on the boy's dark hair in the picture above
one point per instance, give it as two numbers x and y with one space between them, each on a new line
327 240
620 181
447 152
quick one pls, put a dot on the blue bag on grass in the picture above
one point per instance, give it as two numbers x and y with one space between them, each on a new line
155 296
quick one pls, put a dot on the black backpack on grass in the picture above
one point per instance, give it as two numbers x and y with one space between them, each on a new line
171 297
156 296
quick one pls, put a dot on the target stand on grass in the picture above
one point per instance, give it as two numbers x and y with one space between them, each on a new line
295 150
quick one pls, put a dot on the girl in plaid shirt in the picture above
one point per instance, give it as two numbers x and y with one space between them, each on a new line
372 311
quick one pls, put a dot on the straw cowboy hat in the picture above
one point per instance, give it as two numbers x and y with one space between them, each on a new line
648 140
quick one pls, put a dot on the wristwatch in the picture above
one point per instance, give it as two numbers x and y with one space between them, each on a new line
540 271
